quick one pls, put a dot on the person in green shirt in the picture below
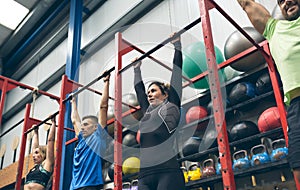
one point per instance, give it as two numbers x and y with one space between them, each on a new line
284 41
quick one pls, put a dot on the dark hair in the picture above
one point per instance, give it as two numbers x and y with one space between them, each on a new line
92 117
164 88
278 2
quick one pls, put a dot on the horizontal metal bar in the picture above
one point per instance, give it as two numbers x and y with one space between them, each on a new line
148 53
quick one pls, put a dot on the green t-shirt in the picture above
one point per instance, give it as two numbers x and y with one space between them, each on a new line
284 41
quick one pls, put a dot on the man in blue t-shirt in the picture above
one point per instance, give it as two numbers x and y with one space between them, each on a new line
92 137
283 37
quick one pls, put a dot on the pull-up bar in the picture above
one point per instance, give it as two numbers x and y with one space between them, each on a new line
176 35
25 86
153 59
41 123
89 84
100 93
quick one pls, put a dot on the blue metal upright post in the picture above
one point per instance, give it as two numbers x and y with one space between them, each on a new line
72 71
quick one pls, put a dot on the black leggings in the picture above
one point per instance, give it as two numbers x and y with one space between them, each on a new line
162 181
293 117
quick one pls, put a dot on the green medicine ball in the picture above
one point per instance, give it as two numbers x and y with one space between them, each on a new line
194 63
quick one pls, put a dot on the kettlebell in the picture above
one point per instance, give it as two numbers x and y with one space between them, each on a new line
134 184
185 173
279 150
218 167
208 168
194 172
259 155
240 160
126 186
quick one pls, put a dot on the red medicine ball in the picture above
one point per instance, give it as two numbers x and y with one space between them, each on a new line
269 119
196 113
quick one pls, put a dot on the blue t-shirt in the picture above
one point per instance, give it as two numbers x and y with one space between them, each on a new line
87 166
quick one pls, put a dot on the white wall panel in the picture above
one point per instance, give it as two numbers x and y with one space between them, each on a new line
103 18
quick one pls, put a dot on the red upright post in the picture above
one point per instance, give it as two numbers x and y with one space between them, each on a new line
3 95
65 89
5 86
22 148
28 123
216 96
118 115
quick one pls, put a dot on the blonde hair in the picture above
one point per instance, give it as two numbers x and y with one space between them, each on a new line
43 151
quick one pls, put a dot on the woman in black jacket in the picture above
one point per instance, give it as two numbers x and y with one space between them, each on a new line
160 105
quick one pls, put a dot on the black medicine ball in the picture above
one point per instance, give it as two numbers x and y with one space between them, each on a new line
242 130
130 139
241 92
263 84
110 172
191 146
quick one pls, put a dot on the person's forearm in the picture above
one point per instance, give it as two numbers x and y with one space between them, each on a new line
139 88
51 136
104 104
50 143
257 14
105 94
75 118
176 78
74 113
35 139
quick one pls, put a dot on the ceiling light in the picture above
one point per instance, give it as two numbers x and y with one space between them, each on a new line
11 13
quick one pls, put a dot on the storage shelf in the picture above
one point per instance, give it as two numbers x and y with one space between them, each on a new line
231 144
210 181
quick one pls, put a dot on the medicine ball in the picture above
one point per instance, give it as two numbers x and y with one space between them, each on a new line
110 115
228 114
131 165
191 146
194 63
237 42
133 117
269 119
130 139
209 106
242 130
209 139
241 92
263 84
110 171
195 113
